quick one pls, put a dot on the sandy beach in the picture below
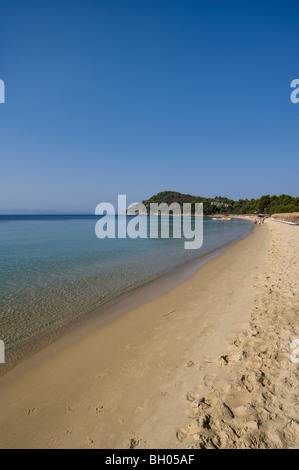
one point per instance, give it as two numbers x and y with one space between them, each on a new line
205 365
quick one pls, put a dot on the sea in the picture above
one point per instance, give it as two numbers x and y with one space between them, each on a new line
55 272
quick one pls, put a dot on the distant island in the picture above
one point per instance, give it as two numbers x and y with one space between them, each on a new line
222 205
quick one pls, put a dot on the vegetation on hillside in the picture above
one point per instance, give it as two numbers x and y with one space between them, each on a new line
222 205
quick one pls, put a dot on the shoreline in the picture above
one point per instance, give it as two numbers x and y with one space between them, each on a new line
138 381
117 306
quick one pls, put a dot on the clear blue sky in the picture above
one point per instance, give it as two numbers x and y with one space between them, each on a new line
108 97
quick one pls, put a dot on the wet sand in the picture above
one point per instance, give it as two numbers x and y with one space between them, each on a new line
206 364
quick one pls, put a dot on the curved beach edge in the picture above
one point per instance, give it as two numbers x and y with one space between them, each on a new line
206 365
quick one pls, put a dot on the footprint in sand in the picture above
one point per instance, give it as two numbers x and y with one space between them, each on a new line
88 441
209 379
223 360
247 380
120 420
69 430
192 397
133 443
181 434
190 363
103 374
205 403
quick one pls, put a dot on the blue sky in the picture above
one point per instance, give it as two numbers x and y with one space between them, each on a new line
115 97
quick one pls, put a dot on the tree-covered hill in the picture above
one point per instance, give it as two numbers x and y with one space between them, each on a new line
222 205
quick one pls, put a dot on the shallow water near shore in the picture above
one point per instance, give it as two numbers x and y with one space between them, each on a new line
54 271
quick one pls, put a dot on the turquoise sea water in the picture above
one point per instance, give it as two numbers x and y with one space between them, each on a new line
54 270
